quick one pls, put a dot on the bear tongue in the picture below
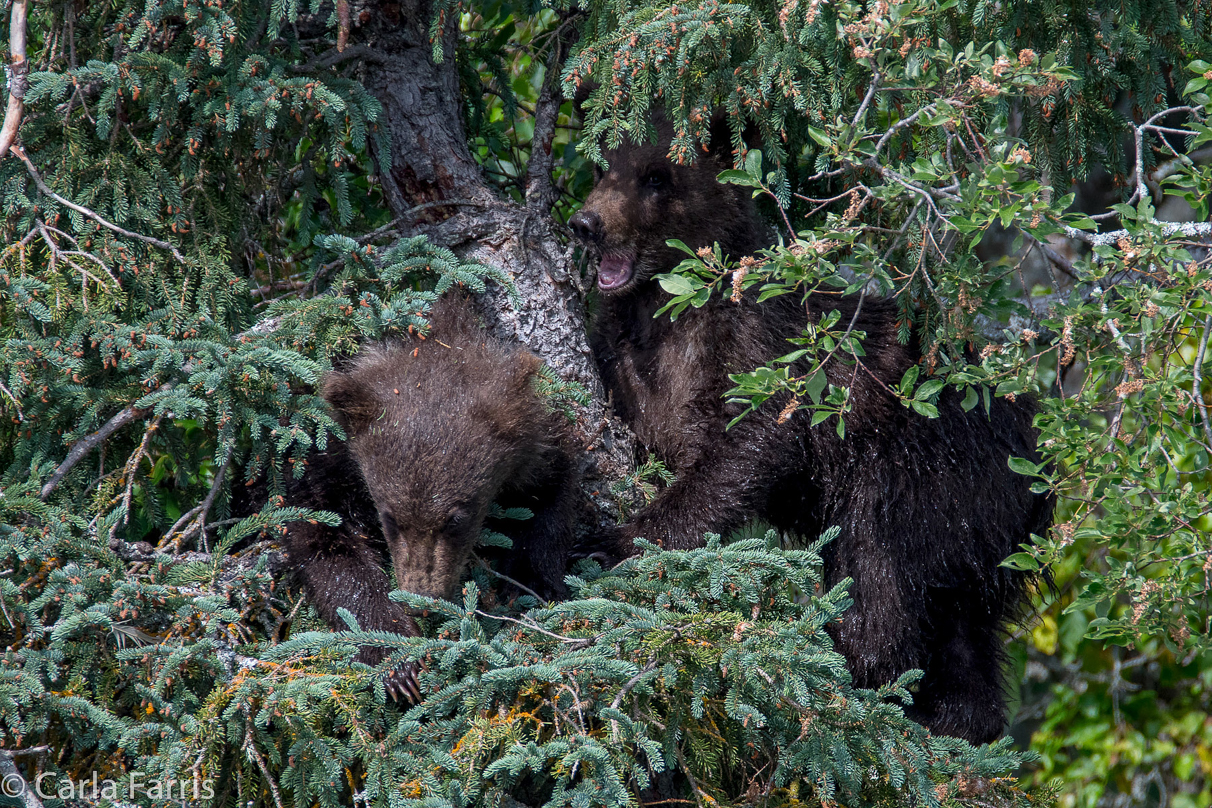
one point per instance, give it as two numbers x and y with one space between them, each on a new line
614 271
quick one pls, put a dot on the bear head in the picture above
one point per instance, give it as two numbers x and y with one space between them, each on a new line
435 434
644 199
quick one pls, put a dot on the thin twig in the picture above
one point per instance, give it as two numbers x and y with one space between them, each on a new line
1055 258
632 682
1139 136
900 234
901 124
699 793
210 500
871 89
509 580
256 756
45 231
16 403
199 511
618 699
132 465
584 641
1197 385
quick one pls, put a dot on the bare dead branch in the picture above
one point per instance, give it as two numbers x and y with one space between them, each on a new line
1057 260
1194 229
14 781
526 589
1197 384
250 749
199 513
18 76
901 124
540 193
871 90
132 465
16 403
336 56
342 24
85 445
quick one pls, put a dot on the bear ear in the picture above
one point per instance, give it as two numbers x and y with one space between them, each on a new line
527 366
452 315
508 406
584 90
720 130
354 403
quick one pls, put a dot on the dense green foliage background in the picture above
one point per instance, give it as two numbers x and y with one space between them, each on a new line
145 629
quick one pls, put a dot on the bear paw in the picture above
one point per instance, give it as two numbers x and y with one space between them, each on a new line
402 686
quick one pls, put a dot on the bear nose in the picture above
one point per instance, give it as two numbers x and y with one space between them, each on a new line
586 225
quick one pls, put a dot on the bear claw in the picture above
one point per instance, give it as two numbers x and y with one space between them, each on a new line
401 685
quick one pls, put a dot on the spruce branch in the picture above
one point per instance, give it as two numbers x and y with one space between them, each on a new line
533 626
122 231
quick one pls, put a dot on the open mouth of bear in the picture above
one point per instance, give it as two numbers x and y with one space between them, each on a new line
615 270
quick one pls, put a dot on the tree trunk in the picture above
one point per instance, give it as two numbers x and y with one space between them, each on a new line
431 162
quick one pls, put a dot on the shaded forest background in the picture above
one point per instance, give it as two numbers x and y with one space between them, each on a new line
209 200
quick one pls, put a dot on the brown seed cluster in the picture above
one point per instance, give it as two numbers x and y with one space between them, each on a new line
984 87
856 204
1129 387
789 410
738 277
1067 348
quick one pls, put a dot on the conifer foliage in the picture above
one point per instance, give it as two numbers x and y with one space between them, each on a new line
193 229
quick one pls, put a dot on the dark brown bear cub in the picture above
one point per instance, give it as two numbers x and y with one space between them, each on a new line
927 508
437 430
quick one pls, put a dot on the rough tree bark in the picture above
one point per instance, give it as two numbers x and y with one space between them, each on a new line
431 162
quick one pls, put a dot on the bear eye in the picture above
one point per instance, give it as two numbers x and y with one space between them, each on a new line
456 520
655 179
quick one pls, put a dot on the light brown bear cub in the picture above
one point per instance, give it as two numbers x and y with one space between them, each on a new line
437 430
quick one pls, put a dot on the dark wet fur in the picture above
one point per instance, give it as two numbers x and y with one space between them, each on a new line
927 508
433 439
